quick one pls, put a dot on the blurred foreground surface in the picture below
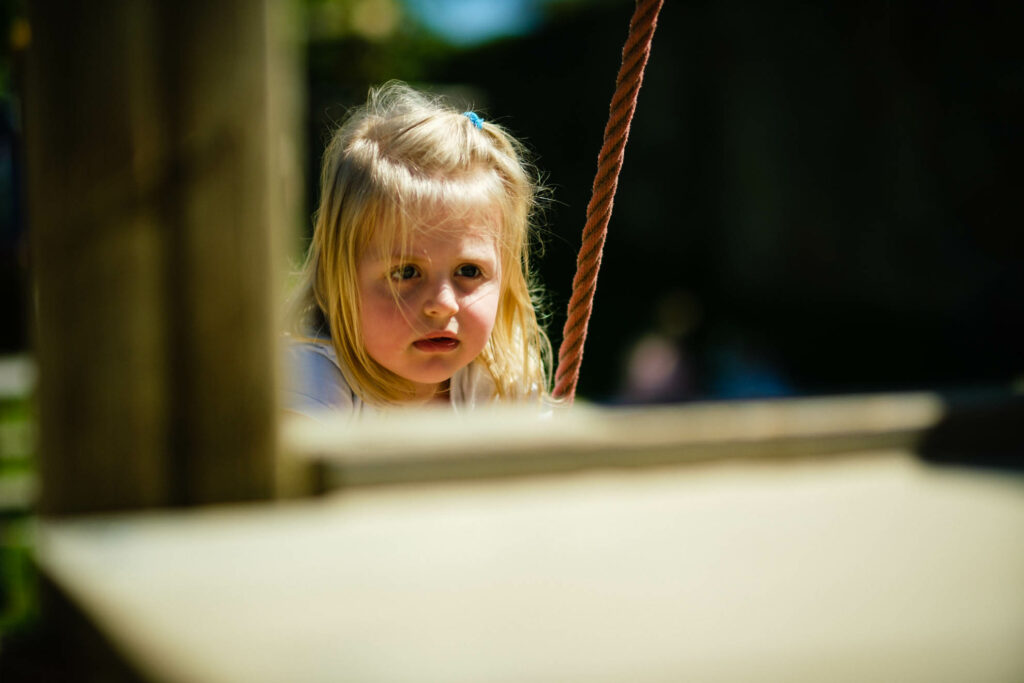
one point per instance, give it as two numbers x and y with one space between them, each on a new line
853 560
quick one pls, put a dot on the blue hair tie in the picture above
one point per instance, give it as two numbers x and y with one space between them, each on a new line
477 121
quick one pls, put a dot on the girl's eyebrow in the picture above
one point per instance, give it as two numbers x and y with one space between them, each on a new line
406 256
472 253
395 256
467 254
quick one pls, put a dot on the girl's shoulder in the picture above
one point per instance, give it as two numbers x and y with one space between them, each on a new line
314 383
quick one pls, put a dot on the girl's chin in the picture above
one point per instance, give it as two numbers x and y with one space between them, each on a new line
433 376
429 380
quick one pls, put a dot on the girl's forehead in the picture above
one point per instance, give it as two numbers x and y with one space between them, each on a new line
479 223
440 242
461 218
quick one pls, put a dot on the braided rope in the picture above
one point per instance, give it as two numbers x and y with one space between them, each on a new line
599 211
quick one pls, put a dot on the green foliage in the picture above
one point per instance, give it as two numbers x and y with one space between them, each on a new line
18 601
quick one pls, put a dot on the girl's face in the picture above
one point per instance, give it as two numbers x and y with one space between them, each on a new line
427 310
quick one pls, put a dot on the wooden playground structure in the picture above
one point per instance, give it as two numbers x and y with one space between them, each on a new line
187 534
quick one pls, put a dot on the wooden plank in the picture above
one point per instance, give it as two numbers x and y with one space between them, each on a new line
868 566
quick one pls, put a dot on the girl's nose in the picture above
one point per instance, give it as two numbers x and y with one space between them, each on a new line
441 302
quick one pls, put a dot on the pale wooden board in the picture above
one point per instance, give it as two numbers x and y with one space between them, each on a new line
425 445
850 568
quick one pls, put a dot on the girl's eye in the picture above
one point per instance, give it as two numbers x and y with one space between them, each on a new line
468 270
405 272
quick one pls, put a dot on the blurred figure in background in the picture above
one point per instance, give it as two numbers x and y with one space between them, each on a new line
659 368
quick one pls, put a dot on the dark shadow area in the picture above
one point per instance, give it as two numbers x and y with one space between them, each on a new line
984 430
63 646
13 241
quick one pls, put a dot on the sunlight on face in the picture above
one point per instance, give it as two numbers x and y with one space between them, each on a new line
428 311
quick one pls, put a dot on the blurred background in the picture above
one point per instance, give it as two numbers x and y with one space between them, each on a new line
816 198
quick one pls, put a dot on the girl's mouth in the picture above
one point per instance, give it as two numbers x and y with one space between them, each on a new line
436 344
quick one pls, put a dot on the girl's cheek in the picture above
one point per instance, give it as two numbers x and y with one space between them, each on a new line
390 297
382 303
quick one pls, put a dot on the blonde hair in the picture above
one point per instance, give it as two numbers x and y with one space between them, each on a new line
402 154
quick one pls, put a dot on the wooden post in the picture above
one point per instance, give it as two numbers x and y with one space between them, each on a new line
158 181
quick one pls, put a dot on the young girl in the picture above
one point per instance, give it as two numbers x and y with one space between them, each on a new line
417 287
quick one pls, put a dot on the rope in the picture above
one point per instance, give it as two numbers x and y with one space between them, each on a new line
609 163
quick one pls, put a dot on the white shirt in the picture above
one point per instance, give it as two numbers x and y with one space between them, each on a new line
316 386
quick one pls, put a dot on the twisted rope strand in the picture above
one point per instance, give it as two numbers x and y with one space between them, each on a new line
599 211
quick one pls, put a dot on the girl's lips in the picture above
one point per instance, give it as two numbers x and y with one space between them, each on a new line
436 344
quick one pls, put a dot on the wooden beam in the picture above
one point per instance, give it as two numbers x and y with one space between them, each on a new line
157 199
980 429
